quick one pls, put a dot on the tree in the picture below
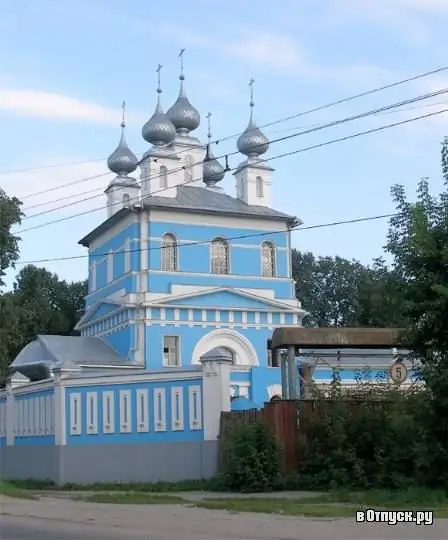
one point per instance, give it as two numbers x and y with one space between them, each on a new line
10 215
40 303
418 241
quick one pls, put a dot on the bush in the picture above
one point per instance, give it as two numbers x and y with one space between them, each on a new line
375 443
253 464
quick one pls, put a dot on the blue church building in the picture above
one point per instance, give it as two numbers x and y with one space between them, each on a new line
186 285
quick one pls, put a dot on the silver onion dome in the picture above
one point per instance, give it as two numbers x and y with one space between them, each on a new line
122 161
252 142
159 130
212 171
182 113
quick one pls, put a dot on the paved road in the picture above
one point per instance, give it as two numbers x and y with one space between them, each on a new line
57 519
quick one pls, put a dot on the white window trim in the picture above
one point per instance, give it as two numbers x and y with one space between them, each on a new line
174 246
194 393
108 401
274 257
259 187
142 410
159 412
92 413
178 350
229 258
125 411
177 408
75 414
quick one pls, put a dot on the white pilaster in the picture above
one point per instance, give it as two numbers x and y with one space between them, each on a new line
60 432
216 366
10 414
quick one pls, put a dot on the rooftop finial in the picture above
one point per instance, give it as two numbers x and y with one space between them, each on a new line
123 114
251 85
181 56
158 70
209 134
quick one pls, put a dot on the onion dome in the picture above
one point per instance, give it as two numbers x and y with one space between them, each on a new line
182 113
122 161
252 142
212 171
159 130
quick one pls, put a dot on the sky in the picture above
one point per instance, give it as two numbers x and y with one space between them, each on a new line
65 68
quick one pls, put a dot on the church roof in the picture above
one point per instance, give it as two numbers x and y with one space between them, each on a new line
37 359
196 200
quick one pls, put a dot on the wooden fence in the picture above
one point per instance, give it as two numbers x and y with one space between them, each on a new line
290 420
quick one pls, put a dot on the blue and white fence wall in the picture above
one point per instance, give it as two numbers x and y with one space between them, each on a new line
143 427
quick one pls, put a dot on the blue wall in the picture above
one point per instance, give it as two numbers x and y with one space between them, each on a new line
189 337
34 418
82 436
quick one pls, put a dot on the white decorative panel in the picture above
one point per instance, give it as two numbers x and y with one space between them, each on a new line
2 420
159 409
20 418
92 413
26 418
41 415
108 412
127 256
195 407
75 414
36 416
125 411
142 410
177 408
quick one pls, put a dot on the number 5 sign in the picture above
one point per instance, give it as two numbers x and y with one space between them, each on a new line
398 372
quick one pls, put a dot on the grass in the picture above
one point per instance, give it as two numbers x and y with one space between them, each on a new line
133 498
10 490
297 507
286 507
156 487
412 498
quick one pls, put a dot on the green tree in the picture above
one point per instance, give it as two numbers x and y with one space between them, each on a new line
340 292
418 241
10 215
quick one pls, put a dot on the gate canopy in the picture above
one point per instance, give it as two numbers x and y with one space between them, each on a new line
340 338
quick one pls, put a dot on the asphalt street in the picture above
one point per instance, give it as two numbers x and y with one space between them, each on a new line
51 519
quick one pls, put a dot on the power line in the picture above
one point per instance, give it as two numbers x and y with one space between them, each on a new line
239 237
358 220
217 141
281 139
59 199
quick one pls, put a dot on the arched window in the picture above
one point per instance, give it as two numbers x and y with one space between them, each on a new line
163 177
268 259
259 186
188 169
126 199
219 256
168 256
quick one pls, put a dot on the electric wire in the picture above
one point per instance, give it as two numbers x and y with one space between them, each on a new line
217 141
293 228
101 188
327 125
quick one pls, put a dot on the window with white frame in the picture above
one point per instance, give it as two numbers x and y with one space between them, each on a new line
125 411
188 169
142 410
259 187
92 413
126 200
219 253
163 177
168 253
75 415
268 259
171 357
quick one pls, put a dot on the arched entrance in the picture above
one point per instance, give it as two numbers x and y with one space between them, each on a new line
242 350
